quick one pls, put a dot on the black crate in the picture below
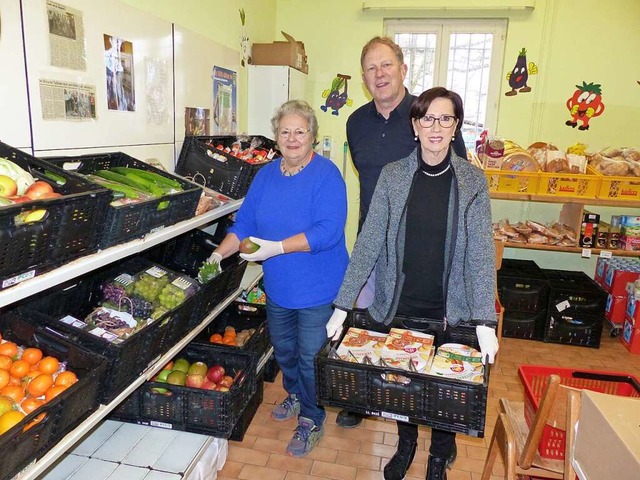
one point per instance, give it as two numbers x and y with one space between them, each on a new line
258 343
186 253
522 286
526 325
226 173
250 411
69 229
128 222
574 293
207 412
271 369
446 404
64 412
578 329
126 359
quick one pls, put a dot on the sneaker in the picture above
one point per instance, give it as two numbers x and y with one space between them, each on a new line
397 467
437 468
289 408
306 436
347 419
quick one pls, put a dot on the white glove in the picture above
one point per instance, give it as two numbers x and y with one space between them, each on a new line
488 342
215 258
334 325
267 249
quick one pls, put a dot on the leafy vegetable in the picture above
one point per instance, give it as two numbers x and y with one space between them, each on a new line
208 271
23 178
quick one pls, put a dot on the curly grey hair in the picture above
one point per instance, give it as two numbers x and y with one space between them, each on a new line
295 107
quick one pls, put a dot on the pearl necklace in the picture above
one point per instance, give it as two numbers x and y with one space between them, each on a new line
437 174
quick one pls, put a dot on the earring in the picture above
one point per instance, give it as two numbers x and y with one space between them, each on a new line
415 138
453 137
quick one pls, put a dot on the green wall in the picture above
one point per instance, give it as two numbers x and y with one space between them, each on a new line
570 41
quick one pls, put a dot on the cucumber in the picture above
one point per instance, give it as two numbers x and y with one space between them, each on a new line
59 179
150 176
147 187
120 190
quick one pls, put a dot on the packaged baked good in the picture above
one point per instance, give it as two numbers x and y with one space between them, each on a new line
408 350
361 346
461 362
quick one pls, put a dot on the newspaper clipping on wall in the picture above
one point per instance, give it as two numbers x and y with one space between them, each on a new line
66 37
67 100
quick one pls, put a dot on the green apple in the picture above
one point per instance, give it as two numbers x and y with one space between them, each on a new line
181 364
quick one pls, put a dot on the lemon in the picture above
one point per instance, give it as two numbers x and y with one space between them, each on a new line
10 419
34 216
6 405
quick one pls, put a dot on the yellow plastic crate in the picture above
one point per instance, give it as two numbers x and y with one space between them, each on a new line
508 181
619 188
579 185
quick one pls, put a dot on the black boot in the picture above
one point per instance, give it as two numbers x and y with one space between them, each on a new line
437 468
397 467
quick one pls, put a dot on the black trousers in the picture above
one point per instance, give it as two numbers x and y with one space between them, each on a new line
442 442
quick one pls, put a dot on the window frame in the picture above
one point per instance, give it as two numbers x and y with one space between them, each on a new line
443 28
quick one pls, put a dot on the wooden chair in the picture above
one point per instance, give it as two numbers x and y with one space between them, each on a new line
518 443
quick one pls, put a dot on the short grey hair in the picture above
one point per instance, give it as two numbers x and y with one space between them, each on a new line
295 107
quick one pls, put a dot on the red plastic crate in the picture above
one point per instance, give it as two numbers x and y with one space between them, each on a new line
535 377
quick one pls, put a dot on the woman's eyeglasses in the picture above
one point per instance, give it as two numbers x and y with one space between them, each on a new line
298 134
445 121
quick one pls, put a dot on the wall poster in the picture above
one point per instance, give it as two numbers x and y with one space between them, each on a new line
118 58
225 86
66 37
67 100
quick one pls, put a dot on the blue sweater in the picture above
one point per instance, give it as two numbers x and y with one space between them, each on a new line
313 202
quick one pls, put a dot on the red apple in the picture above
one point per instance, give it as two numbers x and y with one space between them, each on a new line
222 388
50 195
215 373
207 385
38 189
8 186
247 246
194 380
20 199
226 381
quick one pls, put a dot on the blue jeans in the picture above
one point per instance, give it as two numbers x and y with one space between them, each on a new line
297 335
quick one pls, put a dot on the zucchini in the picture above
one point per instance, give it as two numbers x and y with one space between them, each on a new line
119 189
156 178
59 179
147 187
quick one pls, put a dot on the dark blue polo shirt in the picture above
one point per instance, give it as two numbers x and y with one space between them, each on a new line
375 141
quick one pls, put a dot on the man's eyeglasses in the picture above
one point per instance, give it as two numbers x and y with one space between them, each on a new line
298 134
445 121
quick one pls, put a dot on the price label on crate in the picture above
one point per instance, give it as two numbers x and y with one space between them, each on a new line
586 253
606 254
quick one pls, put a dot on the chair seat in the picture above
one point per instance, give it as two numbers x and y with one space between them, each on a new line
521 430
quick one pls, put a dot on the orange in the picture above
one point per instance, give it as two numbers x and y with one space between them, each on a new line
229 341
49 365
4 379
5 362
29 404
39 385
9 349
66 378
35 421
31 355
19 369
10 419
215 338
54 392
14 392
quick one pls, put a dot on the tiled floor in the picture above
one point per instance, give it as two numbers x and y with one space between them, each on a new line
362 452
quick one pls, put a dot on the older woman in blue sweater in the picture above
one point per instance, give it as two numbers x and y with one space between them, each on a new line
296 210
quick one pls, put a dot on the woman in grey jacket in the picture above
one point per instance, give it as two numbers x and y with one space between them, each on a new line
428 235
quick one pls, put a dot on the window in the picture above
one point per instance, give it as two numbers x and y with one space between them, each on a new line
463 55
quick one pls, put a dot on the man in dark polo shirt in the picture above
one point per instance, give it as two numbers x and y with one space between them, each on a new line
378 133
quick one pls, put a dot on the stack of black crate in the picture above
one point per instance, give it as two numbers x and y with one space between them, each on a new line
576 309
524 291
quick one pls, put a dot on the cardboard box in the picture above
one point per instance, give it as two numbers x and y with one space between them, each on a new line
630 337
615 308
608 437
589 230
289 53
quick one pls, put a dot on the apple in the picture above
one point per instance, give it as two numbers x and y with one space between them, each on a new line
215 374
247 246
8 186
222 388
194 380
226 381
51 195
197 368
207 385
38 189
20 199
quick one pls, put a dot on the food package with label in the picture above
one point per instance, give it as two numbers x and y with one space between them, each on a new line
361 346
457 361
408 350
